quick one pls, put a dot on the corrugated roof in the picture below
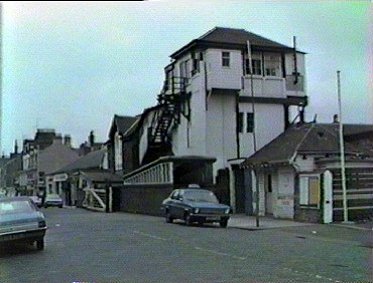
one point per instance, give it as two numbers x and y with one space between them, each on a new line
304 138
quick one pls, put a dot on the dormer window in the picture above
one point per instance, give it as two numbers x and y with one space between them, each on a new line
225 59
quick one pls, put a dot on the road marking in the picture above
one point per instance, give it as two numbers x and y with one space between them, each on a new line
197 248
310 274
150 236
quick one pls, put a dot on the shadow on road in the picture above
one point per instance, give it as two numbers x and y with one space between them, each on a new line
205 225
11 250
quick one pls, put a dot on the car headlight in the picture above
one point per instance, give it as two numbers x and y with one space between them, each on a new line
41 224
196 210
227 210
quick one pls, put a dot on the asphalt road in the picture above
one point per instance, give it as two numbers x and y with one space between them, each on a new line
85 246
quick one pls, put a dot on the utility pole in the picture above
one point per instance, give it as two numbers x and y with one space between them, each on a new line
254 135
342 152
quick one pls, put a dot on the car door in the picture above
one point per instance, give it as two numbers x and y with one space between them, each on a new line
178 206
172 205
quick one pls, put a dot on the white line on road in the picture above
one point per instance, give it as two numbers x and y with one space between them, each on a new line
310 274
149 235
197 248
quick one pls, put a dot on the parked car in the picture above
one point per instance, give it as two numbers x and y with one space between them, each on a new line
21 221
53 200
195 205
36 200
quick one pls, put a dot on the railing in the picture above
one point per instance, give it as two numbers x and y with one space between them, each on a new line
161 173
175 85
95 199
264 86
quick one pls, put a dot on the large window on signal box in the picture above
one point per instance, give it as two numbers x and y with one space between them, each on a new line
272 65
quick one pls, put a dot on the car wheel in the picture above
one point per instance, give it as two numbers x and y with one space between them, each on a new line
40 244
188 220
169 219
60 206
224 223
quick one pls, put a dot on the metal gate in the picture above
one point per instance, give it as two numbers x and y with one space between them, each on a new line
359 184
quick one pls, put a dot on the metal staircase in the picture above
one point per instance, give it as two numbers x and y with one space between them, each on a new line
171 98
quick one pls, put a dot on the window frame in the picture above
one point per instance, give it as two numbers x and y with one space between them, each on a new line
240 122
268 60
305 192
250 122
225 59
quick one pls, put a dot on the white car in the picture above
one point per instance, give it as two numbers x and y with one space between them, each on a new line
36 200
53 200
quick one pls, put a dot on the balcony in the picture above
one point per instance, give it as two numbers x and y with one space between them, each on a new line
271 87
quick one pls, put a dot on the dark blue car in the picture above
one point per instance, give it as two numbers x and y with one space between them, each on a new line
21 221
195 205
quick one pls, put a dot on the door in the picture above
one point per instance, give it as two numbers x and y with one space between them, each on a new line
268 193
328 197
239 190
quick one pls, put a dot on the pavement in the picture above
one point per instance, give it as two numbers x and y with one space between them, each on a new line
242 221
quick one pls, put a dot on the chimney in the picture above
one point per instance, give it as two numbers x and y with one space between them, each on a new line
67 140
57 139
15 147
335 118
91 139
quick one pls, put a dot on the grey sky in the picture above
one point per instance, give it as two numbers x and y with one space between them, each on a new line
72 66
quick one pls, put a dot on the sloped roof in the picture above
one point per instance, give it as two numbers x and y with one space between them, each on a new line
124 122
233 37
353 129
121 123
238 36
304 138
91 160
102 176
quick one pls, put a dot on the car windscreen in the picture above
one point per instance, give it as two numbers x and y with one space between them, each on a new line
21 206
200 196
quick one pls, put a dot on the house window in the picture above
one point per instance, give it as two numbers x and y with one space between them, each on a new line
250 122
225 59
195 62
240 122
309 190
272 65
184 69
257 66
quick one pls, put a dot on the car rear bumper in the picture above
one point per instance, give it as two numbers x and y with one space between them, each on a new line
29 235
209 218
53 204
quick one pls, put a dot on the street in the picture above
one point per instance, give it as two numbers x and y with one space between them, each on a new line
86 246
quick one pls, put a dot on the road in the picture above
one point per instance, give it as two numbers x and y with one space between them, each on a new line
85 246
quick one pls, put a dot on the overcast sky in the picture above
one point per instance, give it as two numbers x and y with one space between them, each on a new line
72 66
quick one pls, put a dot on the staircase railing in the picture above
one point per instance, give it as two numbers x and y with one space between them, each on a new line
170 98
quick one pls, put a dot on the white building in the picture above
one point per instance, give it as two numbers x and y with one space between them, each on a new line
209 108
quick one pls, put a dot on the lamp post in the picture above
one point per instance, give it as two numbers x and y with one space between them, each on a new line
342 154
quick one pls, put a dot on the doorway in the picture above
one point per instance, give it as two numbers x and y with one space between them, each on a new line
268 193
